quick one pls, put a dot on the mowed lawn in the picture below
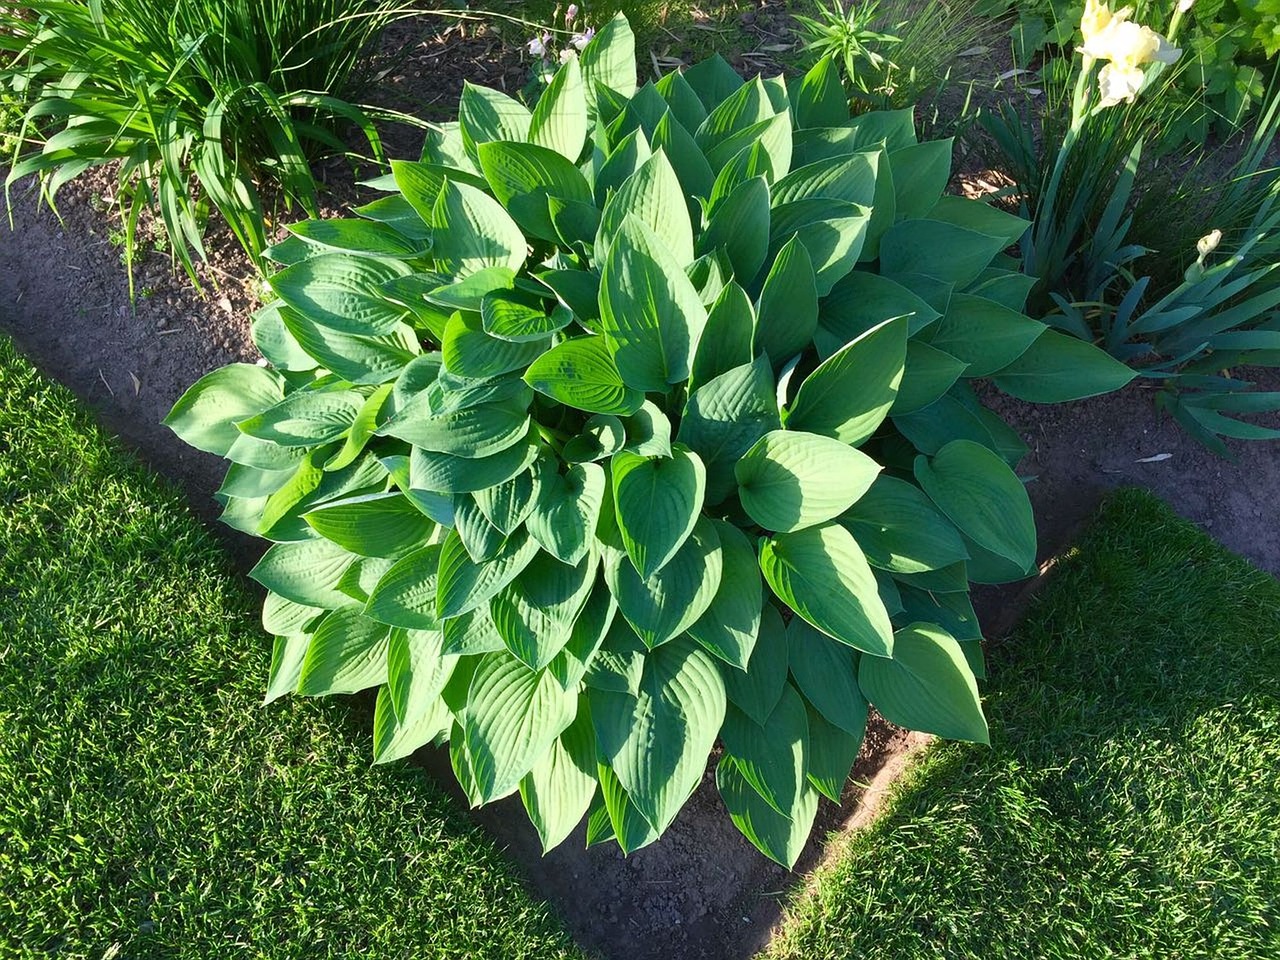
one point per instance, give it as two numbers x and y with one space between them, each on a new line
1129 805
150 806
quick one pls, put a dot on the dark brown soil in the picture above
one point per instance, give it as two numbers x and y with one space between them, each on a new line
702 891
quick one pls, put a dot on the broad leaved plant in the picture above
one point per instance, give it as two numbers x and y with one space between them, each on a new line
637 421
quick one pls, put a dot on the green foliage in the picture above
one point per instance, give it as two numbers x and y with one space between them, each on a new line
1210 303
227 94
1227 44
636 444
147 800
1127 805
892 53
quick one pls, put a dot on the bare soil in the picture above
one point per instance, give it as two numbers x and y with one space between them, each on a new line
702 892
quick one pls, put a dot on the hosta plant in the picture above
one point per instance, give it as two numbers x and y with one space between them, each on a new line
636 422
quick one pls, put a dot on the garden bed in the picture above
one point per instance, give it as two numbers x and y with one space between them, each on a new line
702 886
703 890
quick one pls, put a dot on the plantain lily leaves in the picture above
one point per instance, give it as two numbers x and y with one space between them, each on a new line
629 420
790 480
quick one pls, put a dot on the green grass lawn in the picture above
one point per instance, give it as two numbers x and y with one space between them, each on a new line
1130 803
149 805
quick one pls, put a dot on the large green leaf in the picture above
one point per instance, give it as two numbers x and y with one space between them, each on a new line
756 690
740 229
506 505
713 80
927 686
790 480
821 573
485 114
406 594
581 372
726 339
986 335
850 393
1057 368
833 233
366 237
355 358
920 173
851 179
862 301
657 742
650 313
929 373
470 351
558 790
746 106
900 530
511 718
306 418
589 631
286 618
481 538
417 670
206 414
771 756
437 473
983 498
819 100
981 217
653 196
536 611
341 291
730 626
522 177
724 417
609 60
471 232
470 633
787 313
372 525
520 317
832 753
559 120
394 739
286 665
780 838
937 249
827 674
656 500
306 572
463 584
449 425
347 653
563 519
668 602
691 167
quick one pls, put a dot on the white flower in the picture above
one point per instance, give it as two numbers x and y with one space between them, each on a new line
571 14
567 54
1119 81
1114 37
1185 5
537 46
1208 243
1097 16
580 40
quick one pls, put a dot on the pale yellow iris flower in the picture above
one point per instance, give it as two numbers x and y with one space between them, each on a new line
1126 45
